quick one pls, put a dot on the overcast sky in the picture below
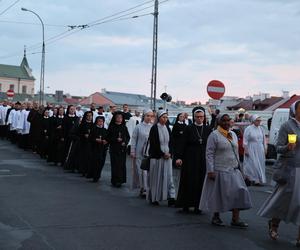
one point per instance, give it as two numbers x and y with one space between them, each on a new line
251 45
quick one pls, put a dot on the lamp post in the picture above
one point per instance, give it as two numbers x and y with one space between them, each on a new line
42 76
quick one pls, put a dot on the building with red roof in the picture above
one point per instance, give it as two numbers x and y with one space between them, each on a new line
288 103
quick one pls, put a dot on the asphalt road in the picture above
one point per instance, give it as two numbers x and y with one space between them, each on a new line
41 207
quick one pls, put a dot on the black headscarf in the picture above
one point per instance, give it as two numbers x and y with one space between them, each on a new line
113 119
177 118
99 118
196 109
85 115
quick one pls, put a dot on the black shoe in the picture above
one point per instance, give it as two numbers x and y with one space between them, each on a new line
171 202
184 210
197 211
239 224
216 221
95 180
155 203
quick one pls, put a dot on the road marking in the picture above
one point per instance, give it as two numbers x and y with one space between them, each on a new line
12 175
4 170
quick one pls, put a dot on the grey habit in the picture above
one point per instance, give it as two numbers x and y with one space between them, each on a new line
284 202
161 186
228 190
138 145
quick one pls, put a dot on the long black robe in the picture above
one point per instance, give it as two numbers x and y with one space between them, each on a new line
56 150
45 135
84 147
34 118
68 126
51 148
193 170
99 152
118 152
177 139
72 159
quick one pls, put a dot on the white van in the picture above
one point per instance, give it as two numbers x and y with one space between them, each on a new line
280 116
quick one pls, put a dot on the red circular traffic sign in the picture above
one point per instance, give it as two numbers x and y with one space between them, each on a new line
10 93
216 89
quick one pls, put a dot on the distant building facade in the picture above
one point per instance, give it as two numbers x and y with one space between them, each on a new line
17 78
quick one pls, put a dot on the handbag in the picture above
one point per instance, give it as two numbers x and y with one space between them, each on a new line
145 164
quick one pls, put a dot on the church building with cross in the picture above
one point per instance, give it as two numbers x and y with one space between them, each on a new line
17 78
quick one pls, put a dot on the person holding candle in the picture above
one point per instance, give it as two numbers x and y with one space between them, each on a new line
284 203
84 143
118 138
99 146
255 147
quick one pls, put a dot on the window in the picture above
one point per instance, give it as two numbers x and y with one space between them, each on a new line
24 89
12 87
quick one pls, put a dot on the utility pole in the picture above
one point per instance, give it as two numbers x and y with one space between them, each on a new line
154 57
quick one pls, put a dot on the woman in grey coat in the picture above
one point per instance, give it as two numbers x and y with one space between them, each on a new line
224 187
284 203
139 148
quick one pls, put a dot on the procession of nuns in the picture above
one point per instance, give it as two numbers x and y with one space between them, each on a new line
205 156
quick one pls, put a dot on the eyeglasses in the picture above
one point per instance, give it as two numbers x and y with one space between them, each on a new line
199 116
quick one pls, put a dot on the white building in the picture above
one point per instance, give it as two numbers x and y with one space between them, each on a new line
17 78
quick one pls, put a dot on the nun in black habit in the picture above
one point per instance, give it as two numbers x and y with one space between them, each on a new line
85 128
99 146
58 138
177 135
70 133
191 158
45 135
118 138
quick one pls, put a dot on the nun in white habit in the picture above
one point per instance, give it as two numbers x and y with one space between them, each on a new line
161 186
139 148
255 146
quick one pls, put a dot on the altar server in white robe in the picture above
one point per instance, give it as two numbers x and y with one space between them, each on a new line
3 111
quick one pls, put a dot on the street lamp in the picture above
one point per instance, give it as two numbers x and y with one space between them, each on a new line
42 76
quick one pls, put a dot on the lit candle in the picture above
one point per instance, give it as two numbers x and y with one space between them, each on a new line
292 138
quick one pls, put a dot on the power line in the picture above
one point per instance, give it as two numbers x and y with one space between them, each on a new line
28 23
76 28
120 12
10 6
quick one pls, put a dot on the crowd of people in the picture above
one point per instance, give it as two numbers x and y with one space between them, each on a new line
213 175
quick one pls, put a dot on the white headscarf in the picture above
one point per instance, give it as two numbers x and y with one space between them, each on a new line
161 113
146 111
293 109
254 118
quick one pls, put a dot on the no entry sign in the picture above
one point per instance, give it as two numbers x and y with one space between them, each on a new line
216 89
10 93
